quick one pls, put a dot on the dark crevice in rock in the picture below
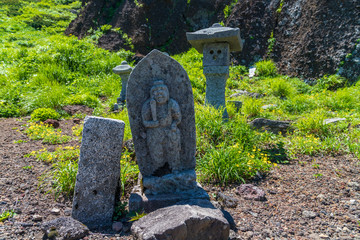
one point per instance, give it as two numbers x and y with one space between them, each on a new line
162 171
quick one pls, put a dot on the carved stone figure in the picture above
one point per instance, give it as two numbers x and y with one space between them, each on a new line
161 115
162 119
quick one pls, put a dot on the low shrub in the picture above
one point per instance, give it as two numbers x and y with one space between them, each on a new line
265 68
251 107
280 87
331 82
42 114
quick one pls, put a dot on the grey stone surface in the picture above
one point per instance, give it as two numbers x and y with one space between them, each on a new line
244 92
124 71
65 228
251 192
309 214
170 183
98 175
216 43
274 126
226 201
173 120
269 106
216 77
194 221
215 34
151 202
333 120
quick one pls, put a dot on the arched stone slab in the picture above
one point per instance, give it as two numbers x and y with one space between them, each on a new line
158 66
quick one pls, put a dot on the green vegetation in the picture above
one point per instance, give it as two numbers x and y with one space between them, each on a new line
6 215
41 131
42 114
228 8
42 70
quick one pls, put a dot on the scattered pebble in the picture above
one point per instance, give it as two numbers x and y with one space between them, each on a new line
309 214
55 211
37 218
117 226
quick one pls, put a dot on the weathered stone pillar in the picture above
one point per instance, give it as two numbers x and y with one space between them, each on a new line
123 71
98 177
216 43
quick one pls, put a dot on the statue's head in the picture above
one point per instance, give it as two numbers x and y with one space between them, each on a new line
159 92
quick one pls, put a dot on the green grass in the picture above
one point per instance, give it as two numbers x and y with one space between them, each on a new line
42 68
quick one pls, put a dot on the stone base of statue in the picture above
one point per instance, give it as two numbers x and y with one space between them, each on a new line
168 190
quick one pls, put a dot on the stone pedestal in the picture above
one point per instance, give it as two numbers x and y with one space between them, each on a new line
216 77
123 71
215 43
150 202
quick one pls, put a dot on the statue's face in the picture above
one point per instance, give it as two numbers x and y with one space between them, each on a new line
161 94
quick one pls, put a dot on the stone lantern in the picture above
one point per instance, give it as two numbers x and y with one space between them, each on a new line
123 70
216 43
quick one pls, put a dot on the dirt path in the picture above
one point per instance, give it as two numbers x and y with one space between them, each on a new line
311 198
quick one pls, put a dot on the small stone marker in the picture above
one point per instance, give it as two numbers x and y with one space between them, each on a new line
162 120
123 71
98 178
216 43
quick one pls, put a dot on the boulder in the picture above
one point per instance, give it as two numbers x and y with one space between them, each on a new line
251 192
65 228
193 221
274 126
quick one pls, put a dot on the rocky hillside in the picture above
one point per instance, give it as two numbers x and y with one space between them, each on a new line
306 38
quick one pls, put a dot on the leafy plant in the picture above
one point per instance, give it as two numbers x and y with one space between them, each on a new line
41 131
265 68
251 107
120 210
42 114
331 82
137 216
6 215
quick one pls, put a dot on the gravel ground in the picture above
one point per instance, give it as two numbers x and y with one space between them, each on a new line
310 198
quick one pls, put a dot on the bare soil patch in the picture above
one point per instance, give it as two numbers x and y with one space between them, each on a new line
310 198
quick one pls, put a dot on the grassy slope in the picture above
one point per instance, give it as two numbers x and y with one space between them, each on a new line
40 67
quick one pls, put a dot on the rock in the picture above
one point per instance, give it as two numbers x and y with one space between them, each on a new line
269 106
150 202
129 145
37 218
98 176
333 120
183 222
237 104
65 228
55 211
323 236
250 192
226 201
233 235
244 92
147 25
117 226
273 126
76 120
309 214
52 122
354 185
